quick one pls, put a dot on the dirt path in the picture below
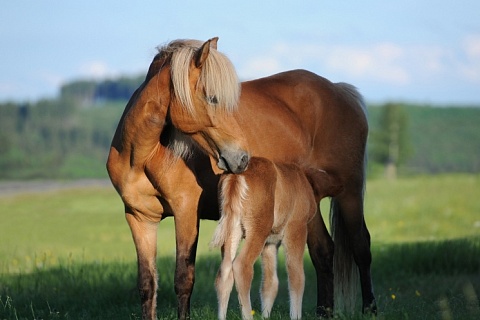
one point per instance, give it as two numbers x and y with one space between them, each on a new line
11 188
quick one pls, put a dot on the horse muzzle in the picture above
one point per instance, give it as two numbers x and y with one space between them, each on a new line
234 162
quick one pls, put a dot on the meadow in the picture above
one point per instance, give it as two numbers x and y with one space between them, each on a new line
69 255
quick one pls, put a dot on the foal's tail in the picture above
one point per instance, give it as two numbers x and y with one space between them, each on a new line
233 193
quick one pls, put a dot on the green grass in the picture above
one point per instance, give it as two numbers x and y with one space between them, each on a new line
69 255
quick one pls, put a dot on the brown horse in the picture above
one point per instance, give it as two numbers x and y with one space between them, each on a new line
268 204
191 93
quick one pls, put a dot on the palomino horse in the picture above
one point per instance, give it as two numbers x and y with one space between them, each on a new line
295 117
268 204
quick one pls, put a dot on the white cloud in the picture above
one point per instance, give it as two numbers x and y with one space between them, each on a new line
380 62
385 62
260 66
97 70
51 79
470 67
7 88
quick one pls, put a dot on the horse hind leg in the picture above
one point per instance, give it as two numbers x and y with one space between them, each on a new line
224 280
321 248
294 244
243 270
269 288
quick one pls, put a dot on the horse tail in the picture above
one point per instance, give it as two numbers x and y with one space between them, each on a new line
233 194
344 268
346 278
351 92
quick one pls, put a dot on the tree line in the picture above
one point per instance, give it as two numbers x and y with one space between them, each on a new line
69 136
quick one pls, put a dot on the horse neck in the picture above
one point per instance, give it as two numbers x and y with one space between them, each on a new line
142 127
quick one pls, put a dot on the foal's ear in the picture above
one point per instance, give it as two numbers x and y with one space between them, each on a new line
204 50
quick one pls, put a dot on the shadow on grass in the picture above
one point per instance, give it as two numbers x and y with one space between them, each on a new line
415 281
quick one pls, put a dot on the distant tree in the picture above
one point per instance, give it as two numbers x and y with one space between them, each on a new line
391 144
117 89
81 91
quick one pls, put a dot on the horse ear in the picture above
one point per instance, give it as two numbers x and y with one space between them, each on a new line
213 43
204 50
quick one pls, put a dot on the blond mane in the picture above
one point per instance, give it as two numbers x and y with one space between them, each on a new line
218 76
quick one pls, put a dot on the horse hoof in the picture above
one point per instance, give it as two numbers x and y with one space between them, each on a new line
370 309
324 313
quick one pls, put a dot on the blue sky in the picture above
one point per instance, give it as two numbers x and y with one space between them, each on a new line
419 51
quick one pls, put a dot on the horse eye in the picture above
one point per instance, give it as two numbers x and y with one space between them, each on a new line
212 99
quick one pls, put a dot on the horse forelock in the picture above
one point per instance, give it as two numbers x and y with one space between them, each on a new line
218 76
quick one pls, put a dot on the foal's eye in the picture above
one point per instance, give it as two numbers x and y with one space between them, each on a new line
212 99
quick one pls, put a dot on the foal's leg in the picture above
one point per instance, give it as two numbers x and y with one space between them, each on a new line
145 238
224 280
320 247
294 244
243 269
270 279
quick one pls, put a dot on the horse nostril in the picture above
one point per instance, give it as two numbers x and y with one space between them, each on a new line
244 161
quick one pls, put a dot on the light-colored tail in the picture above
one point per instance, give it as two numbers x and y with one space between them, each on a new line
233 194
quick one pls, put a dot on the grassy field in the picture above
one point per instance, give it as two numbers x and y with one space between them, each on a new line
69 255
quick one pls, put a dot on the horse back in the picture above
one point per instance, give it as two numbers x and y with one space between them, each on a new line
323 124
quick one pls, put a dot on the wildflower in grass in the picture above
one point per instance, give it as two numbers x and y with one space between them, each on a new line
393 296
253 312
417 293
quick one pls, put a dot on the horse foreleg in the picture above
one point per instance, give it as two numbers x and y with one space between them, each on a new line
186 242
294 244
269 288
321 248
145 238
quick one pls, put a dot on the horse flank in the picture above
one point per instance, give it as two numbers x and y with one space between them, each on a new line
218 75
233 194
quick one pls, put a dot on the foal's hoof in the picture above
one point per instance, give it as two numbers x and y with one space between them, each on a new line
324 312
370 309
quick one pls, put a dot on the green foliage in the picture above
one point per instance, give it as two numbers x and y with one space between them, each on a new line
56 139
69 137
390 144
442 139
90 92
